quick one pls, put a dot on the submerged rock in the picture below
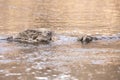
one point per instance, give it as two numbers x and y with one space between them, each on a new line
32 36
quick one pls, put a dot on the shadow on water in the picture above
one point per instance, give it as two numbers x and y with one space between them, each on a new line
63 59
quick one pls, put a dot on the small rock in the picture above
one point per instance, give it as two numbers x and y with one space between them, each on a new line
86 39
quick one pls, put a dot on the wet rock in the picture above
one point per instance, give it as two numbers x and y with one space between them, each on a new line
32 36
9 38
86 39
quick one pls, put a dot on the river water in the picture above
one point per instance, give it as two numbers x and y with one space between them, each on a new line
64 58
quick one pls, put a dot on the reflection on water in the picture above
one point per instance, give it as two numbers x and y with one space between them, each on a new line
65 58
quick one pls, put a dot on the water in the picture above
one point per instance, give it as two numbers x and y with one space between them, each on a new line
64 58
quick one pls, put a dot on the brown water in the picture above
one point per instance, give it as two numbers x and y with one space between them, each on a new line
64 58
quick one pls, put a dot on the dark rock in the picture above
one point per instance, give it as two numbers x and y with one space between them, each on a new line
86 39
10 38
32 36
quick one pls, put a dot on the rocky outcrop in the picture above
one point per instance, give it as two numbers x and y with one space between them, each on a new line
32 36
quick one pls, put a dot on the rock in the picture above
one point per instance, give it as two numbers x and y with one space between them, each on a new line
32 36
86 39
10 38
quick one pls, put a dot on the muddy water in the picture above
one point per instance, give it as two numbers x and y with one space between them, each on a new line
64 58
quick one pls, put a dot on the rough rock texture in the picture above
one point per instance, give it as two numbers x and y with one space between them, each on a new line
32 36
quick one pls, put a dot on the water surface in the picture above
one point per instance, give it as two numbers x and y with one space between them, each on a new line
64 58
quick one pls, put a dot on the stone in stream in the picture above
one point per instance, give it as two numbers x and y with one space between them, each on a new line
32 36
86 39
